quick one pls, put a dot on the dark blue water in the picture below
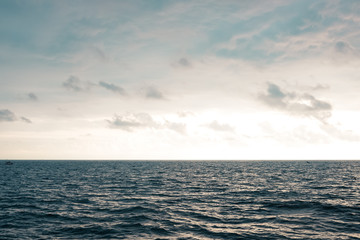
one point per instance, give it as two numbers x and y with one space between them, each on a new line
180 200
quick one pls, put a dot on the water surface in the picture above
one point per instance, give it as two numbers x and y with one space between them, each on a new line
180 200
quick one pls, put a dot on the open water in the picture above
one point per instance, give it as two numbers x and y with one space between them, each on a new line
180 200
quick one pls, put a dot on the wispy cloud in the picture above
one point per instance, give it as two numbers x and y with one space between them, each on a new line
177 127
223 127
184 114
154 93
32 97
136 121
8 116
24 119
73 83
336 132
112 87
320 87
130 122
184 62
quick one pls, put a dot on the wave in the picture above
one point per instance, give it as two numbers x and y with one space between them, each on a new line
180 200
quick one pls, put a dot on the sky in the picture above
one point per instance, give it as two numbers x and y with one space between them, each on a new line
153 79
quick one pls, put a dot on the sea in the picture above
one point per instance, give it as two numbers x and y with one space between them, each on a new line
180 200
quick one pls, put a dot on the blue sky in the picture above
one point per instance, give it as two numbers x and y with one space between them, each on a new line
179 79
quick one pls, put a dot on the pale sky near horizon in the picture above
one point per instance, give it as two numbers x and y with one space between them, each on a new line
157 79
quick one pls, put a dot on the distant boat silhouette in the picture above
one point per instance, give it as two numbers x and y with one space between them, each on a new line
9 163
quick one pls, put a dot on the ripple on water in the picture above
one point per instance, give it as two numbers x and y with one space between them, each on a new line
179 200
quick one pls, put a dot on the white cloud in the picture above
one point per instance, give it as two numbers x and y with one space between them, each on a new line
131 122
223 127
336 132
176 126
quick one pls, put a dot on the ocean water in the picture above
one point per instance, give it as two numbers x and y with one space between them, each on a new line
180 200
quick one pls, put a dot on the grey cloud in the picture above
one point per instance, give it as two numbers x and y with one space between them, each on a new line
8 116
184 62
274 97
152 92
292 102
100 54
32 97
129 122
308 103
73 83
343 47
121 123
112 87
320 87
274 91
24 119
215 125
132 122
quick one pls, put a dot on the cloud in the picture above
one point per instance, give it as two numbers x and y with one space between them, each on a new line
307 105
99 54
292 102
152 92
124 124
131 122
274 91
184 62
112 87
343 47
215 125
32 97
24 119
73 83
320 87
345 52
177 127
184 114
339 133
8 116
297 134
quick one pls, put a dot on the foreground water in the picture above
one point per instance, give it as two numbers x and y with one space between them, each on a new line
180 200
